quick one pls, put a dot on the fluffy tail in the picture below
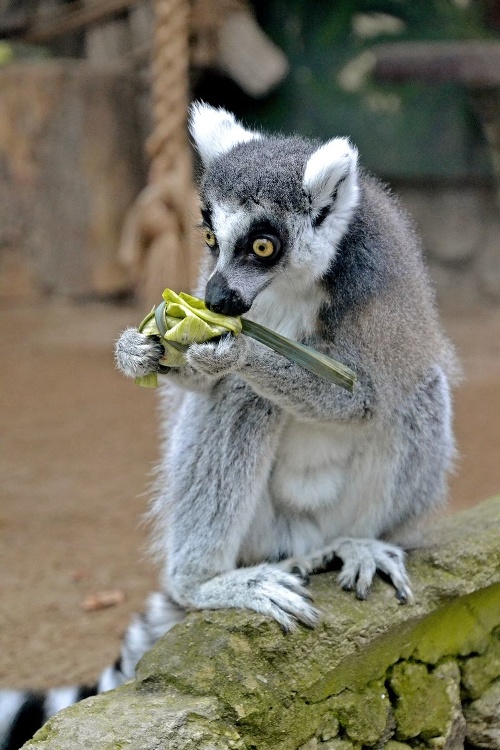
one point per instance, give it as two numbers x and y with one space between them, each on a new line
23 712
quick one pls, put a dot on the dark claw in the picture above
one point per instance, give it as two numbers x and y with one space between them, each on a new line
362 595
300 573
347 587
401 596
158 343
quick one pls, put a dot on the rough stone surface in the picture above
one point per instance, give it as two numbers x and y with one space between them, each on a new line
329 727
337 744
231 679
439 719
128 718
364 714
479 671
312 744
483 719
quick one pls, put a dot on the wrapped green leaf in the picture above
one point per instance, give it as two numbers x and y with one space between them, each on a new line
181 320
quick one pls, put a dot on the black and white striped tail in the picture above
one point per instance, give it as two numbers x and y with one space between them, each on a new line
23 712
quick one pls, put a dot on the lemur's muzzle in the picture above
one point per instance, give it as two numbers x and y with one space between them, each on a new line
220 298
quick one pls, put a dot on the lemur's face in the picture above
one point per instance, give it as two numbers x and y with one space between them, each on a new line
247 250
271 207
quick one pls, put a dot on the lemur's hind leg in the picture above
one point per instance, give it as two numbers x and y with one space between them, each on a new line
360 558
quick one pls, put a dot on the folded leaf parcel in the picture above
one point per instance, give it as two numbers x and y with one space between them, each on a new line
181 320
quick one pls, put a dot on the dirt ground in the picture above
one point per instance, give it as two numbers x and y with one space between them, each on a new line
78 443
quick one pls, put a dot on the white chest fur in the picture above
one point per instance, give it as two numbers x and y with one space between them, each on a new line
311 465
288 307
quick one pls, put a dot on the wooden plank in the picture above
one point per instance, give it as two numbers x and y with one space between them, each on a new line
74 17
475 64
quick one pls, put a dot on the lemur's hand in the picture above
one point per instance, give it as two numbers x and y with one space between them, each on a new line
136 354
218 358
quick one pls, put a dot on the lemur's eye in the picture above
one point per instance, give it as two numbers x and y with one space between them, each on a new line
263 247
209 237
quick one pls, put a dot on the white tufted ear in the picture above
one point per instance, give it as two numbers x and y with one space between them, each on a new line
330 179
216 131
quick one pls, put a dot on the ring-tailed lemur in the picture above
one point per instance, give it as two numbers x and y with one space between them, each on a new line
269 472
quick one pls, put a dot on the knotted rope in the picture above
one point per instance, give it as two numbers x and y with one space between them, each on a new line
159 242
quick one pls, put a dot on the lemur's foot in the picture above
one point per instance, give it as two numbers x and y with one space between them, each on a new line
299 567
363 557
137 355
266 589
283 596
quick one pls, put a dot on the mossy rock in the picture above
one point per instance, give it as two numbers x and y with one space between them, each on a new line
232 679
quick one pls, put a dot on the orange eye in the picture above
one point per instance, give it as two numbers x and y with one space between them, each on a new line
209 237
263 247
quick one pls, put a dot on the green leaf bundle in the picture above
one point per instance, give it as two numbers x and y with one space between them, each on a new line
181 320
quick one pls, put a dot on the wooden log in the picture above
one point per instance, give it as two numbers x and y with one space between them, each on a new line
70 154
66 19
475 64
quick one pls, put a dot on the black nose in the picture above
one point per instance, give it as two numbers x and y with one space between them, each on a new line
220 298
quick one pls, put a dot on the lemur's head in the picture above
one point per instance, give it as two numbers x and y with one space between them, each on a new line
272 206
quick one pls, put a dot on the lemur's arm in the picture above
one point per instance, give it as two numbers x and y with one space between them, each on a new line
137 355
271 375
284 383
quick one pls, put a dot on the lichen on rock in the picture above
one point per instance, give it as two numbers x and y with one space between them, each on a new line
479 671
427 702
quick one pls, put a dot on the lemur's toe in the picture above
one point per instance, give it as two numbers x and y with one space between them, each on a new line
297 567
301 571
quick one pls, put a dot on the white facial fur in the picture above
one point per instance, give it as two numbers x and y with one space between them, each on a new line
331 185
299 297
216 131
229 224
326 170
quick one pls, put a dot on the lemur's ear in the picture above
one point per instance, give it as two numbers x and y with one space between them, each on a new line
215 131
331 180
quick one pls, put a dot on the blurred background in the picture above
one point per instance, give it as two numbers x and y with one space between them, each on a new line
97 216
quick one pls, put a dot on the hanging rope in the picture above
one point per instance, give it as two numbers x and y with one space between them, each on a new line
159 242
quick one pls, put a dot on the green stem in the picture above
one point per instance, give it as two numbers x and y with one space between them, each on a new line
317 363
